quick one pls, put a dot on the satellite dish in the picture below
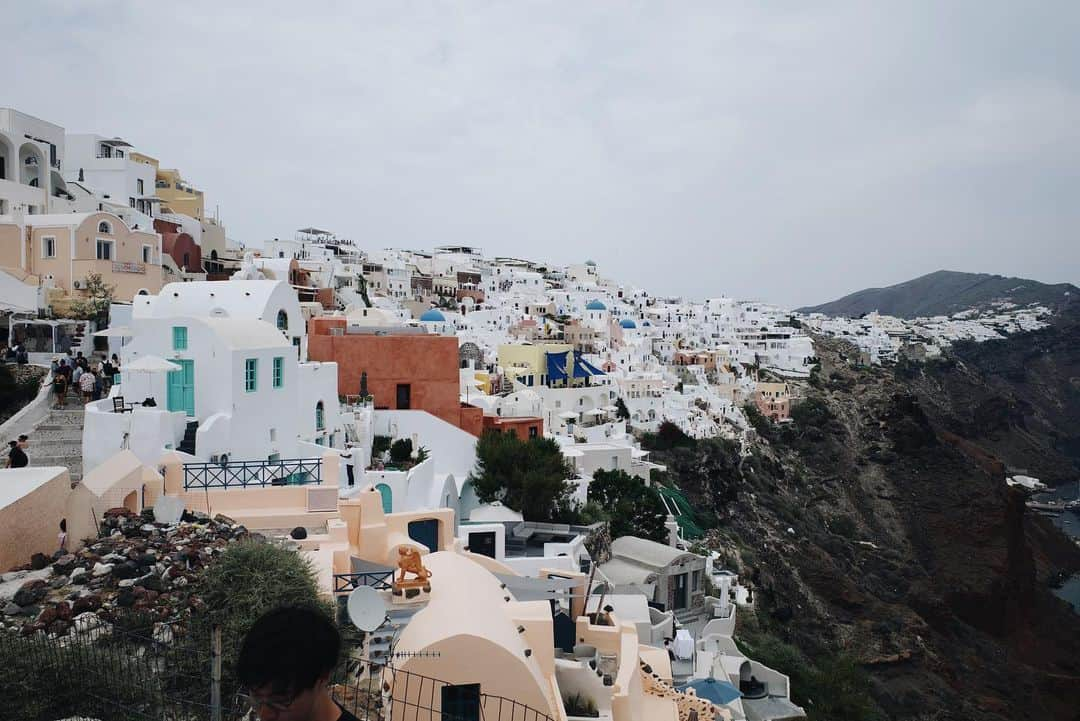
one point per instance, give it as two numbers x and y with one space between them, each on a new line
367 610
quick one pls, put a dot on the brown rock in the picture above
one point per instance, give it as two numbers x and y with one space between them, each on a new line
47 615
86 603
31 592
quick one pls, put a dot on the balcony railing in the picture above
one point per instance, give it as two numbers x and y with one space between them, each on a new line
379 580
252 474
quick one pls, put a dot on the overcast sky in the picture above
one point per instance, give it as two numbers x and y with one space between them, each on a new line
788 151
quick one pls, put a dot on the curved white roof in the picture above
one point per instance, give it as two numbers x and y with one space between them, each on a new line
246 299
239 333
645 552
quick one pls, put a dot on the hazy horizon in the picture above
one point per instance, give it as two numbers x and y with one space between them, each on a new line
792 155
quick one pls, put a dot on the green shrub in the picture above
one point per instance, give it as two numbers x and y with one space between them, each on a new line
764 427
830 686
811 412
401 451
252 577
380 445
580 705
667 436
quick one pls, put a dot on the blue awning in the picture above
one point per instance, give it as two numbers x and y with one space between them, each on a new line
556 366
720 693
583 368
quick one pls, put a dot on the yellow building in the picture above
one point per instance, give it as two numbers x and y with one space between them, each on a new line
177 195
528 363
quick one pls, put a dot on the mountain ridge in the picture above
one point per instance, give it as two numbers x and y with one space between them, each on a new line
945 292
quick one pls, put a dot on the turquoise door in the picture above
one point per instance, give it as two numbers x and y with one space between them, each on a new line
387 497
182 387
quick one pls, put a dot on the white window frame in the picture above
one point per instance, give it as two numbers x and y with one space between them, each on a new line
45 239
112 248
147 253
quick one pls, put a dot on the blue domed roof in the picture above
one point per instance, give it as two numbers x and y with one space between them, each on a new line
595 305
646 323
432 316
627 323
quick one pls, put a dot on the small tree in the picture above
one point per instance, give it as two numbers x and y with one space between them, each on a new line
630 507
621 411
528 476
95 302
667 436
400 451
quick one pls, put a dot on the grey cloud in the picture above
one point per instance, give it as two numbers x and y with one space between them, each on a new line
789 151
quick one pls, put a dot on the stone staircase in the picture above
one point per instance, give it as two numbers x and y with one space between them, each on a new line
57 439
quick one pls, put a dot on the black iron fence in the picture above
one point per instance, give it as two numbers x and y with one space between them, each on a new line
252 474
379 580
132 670
374 690
137 670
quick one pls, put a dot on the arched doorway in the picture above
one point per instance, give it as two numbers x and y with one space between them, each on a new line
387 497
131 502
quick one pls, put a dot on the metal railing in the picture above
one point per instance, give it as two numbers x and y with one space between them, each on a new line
131 668
376 690
379 580
252 474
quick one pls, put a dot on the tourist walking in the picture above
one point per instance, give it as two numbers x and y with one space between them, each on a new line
87 380
107 372
16 456
60 386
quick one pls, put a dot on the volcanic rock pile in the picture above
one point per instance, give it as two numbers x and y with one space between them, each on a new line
136 565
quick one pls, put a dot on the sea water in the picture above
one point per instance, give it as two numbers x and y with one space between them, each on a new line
1069 522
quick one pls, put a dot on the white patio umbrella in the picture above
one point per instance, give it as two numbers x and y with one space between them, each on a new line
149 365
568 415
119 331
594 412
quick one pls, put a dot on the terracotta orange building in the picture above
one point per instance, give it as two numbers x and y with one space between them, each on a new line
417 371
524 427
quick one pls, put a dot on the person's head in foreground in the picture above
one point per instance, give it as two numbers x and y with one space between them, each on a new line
285 665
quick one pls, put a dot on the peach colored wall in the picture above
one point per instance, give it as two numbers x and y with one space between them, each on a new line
30 525
127 248
10 240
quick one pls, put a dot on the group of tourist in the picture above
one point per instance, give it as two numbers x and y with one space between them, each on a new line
14 354
92 380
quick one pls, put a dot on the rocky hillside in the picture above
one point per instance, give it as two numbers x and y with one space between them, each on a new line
877 527
946 292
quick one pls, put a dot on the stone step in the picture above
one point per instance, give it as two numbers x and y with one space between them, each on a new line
72 463
54 432
64 418
42 440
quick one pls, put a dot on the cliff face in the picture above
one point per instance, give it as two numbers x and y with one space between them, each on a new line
880 526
